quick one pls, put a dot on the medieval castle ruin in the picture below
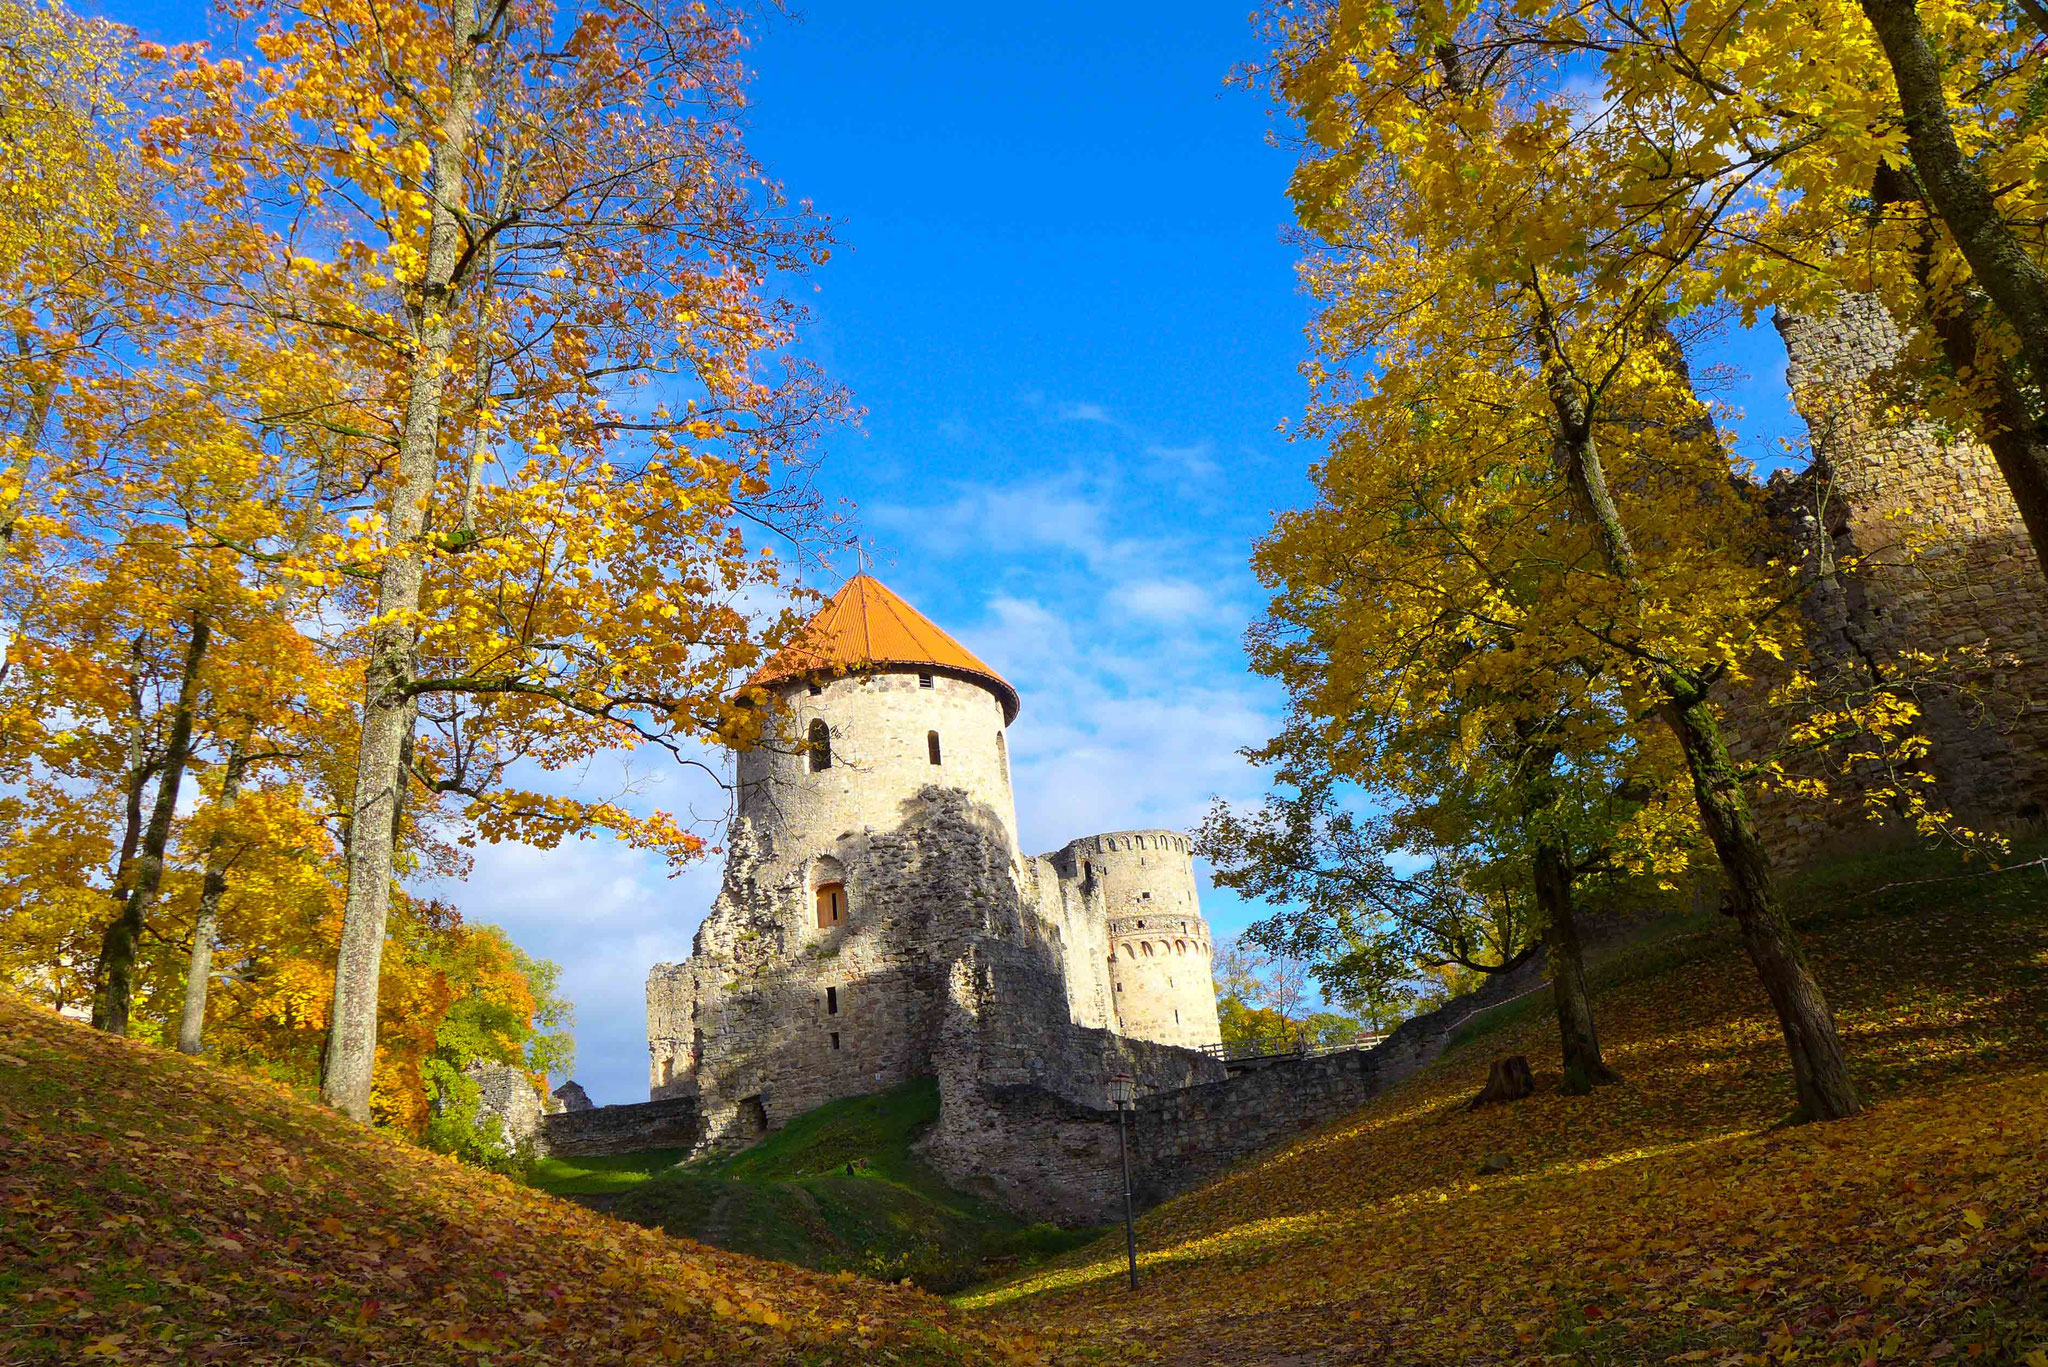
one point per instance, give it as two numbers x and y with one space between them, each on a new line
878 923
877 918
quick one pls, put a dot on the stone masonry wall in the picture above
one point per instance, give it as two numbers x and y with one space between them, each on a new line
1050 1152
1159 960
944 967
639 1127
508 1095
880 724
1945 564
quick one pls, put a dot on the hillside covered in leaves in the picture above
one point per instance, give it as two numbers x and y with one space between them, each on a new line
1667 1219
158 1210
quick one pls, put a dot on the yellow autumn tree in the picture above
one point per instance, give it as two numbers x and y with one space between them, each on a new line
534 237
1497 315
1782 152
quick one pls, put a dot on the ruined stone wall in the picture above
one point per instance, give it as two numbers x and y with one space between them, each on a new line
638 1127
1050 1151
1007 1044
1944 564
507 1094
1072 911
771 1016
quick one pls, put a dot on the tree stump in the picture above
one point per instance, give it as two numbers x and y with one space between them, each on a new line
1509 1080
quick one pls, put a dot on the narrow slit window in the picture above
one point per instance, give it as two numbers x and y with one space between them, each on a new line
831 910
821 746
924 681
831 1001
931 745
835 1039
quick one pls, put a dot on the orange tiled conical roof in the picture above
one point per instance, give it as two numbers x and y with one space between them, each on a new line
866 626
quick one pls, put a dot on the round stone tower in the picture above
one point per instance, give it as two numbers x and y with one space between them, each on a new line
869 707
877 923
1159 950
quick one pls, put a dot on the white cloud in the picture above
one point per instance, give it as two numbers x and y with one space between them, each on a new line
606 914
1166 600
1086 412
1121 633
1196 460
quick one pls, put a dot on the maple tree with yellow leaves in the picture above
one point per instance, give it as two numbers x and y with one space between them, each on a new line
533 238
454 377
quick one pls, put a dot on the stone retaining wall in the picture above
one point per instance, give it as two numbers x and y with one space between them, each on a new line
1045 1152
671 1123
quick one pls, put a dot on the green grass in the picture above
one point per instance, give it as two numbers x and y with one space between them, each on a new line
792 1198
601 1176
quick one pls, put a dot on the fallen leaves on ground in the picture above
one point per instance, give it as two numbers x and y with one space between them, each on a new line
1665 1220
159 1210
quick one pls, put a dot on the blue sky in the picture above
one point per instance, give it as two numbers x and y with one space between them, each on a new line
1065 304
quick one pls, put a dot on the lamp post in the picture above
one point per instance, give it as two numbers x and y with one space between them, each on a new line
1122 1091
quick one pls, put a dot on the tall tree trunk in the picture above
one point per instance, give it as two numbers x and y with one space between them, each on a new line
116 977
2015 283
1584 1069
388 706
1820 1074
140 767
192 1026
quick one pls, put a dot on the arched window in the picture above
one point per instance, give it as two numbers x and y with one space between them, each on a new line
931 745
831 906
821 746
1003 754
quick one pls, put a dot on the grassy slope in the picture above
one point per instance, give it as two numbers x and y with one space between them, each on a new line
792 1199
1662 1220
158 1210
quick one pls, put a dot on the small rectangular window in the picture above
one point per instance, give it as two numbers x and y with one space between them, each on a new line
835 1039
831 1001
924 681
816 690
931 745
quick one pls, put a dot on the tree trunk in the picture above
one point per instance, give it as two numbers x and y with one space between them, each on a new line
1820 1075
1584 1069
117 948
2008 274
388 705
1509 1079
192 1026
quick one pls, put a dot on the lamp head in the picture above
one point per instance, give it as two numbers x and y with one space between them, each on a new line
1122 1090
